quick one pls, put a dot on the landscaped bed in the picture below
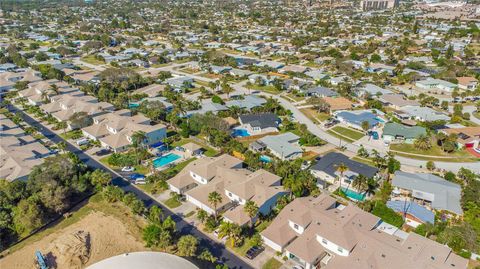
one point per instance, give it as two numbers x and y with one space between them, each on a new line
435 153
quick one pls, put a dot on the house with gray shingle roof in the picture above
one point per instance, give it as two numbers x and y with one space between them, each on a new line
429 190
283 146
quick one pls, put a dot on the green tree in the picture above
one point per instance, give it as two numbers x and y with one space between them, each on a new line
206 255
187 245
100 178
155 215
214 198
27 216
422 142
251 209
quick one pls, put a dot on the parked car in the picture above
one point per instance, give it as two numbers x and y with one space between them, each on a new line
331 123
128 169
82 141
136 176
253 252
102 152
140 181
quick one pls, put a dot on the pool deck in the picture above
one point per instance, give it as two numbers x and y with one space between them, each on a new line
183 157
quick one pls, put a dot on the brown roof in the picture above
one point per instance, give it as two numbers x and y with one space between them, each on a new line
465 135
354 230
466 80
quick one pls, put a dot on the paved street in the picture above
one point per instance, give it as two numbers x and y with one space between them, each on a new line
320 132
219 250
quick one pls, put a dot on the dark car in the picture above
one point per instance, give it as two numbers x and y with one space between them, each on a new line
253 252
102 152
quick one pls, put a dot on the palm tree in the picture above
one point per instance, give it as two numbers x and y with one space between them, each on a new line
359 182
251 209
62 125
342 168
422 142
230 230
138 139
62 146
370 187
54 88
227 89
214 198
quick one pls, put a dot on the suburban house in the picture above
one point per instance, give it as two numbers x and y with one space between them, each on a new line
283 146
372 89
436 84
424 113
19 152
398 133
247 102
180 83
467 83
319 91
467 137
41 92
413 213
236 185
9 79
87 77
259 123
323 233
430 191
326 170
355 118
63 107
115 130
397 101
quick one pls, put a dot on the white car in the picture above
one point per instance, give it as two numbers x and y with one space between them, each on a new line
128 169
140 181
82 141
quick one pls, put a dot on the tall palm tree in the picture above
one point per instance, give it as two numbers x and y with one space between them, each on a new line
230 230
214 198
54 88
359 182
138 140
251 209
342 168
370 187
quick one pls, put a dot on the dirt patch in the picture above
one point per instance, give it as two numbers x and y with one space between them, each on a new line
93 238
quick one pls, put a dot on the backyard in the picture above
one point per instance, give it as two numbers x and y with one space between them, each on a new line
209 152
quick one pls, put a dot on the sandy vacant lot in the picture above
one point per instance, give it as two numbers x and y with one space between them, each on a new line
93 238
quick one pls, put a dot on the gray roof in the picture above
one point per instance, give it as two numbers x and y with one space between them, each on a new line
321 91
282 144
446 194
260 120
424 113
332 160
413 209
374 89
248 102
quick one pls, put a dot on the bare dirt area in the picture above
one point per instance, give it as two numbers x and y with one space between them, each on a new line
94 237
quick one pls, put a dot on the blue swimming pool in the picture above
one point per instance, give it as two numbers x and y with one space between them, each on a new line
164 160
133 105
354 195
265 158
240 133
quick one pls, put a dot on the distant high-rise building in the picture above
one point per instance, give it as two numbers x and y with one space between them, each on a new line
379 4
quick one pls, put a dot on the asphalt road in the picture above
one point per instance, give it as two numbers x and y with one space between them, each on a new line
184 228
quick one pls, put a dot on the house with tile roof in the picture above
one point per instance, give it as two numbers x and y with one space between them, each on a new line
320 232
225 175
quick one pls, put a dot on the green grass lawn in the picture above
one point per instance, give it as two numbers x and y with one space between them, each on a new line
314 115
75 134
179 167
138 168
172 202
435 152
344 138
350 133
269 88
365 161
476 115
91 60
272 264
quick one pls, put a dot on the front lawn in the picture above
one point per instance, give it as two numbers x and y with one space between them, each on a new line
172 202
434 152
138 168
272 264
92 60
344 138
268 89
314 115
348 132
74 134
